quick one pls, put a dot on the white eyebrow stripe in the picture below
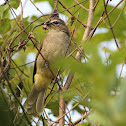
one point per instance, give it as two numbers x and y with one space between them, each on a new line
54 21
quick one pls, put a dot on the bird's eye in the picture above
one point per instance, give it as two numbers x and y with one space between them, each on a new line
56 22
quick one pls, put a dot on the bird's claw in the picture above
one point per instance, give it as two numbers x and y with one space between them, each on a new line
46 64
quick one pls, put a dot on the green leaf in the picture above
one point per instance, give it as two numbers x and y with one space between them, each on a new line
54 106
5 12
11 74
4 25
121 101
14 3
6 117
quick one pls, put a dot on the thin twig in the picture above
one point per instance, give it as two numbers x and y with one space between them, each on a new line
38 9
56 6
54 82
20 69
81 118
81 6
24 30
73 15
111 27
21 82
9 84
22 65
70 109
96 4
121 69
4 97
119 16
103 18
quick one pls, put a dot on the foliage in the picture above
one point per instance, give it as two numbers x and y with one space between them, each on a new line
95 88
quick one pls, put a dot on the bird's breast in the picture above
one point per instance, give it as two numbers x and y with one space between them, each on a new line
54 47
55 44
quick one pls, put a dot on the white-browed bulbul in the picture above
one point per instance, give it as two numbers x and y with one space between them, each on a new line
55 45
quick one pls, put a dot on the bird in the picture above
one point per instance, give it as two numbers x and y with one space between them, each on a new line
55 45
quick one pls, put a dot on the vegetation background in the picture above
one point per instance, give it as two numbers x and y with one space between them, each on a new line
93 85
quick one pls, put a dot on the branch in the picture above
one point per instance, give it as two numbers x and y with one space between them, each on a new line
90 20
38 9
72 14
9 84
81 5
102 19
61 110
68 81
111 26
56 5
70 109
119 15
80 119
86 34
78 56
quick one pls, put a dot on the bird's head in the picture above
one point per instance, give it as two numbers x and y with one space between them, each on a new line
56 24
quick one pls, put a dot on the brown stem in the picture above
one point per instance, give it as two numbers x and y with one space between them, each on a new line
70 109
80 119
78 55
68 81
61 110
90 20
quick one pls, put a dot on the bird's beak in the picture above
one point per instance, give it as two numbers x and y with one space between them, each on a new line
46 24
45 27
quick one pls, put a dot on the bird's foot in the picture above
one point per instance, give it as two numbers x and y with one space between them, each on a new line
46 64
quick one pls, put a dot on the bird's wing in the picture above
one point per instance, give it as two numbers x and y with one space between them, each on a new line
35 68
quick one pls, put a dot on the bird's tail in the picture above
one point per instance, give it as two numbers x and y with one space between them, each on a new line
35 101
